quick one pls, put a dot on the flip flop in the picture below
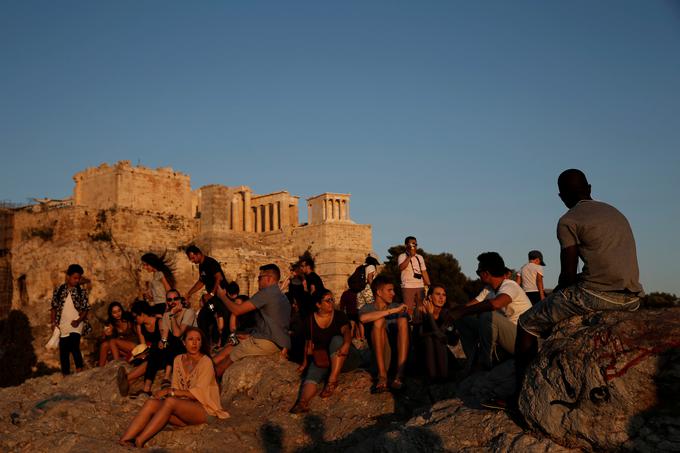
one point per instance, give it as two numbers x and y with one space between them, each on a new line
397 384
122 381
329 389
380 386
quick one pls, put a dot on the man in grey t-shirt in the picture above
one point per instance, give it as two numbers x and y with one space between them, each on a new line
601 236
270 334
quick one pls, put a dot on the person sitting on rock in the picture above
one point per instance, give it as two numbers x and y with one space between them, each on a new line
328 336
193 399
149 333
433 335
602 238
176 320
497 321
270 334
389 326
120 334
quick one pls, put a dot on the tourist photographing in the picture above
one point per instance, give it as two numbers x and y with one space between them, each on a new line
193 399
414 277
69 309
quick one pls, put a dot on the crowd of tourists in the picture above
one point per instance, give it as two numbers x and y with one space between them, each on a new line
296 317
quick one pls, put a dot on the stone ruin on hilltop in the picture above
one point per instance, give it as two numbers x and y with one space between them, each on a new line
118 212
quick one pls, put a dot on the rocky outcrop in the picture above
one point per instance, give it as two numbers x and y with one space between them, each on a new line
609 381
602 382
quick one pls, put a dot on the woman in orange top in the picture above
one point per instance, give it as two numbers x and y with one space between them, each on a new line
193 399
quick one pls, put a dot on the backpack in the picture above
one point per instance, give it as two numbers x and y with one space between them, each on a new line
357 281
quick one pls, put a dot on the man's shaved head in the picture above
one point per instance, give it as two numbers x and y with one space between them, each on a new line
573 187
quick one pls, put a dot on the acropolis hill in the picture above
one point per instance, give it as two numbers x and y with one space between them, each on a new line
118 212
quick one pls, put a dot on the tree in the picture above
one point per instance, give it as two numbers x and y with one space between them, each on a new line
442 268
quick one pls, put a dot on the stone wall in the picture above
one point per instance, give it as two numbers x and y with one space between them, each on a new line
140 188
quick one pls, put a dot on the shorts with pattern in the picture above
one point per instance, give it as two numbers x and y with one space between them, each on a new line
573 301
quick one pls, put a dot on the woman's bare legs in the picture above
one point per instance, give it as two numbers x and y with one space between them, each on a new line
104 349
117 345
151 406
185 411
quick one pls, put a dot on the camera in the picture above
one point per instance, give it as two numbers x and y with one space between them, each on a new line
211 307
417 275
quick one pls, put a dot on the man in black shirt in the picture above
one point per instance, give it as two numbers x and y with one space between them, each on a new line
312 280
210 276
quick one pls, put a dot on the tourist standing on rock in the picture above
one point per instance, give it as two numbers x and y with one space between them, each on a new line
120 334
162 280
389 327
414 277
210 277
602 237
270 334
69 312
530 277
328 340
193 399
497 321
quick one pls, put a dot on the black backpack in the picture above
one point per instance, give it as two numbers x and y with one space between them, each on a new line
357 281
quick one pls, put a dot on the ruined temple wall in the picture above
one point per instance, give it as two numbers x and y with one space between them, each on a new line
140 188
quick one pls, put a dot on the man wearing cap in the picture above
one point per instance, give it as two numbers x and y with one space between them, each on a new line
497 323
602 238
530 277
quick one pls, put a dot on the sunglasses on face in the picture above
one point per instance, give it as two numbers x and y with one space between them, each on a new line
170 299
329 300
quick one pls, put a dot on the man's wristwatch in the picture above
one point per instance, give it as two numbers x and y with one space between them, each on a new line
172 392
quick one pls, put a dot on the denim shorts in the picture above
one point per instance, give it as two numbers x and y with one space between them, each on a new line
573 301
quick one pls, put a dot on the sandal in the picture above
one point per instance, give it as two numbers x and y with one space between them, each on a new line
328 389
380 386
122 381
165 383
397 384
300 407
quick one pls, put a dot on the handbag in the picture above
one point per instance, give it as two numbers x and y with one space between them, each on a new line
53 342
320 356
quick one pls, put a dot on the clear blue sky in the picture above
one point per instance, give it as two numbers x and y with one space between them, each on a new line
446 120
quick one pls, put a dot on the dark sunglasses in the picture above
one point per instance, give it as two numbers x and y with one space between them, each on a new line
170 299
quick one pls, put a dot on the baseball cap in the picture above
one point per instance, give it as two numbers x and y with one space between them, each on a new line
534 254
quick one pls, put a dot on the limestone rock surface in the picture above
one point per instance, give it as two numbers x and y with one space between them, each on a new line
609 381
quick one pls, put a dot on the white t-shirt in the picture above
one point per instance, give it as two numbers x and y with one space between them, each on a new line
520 302
529 272
417 265
68 314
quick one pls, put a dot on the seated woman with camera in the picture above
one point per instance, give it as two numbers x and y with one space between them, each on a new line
328 336
193 399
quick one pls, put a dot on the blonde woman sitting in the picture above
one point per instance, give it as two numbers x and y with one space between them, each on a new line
193 399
